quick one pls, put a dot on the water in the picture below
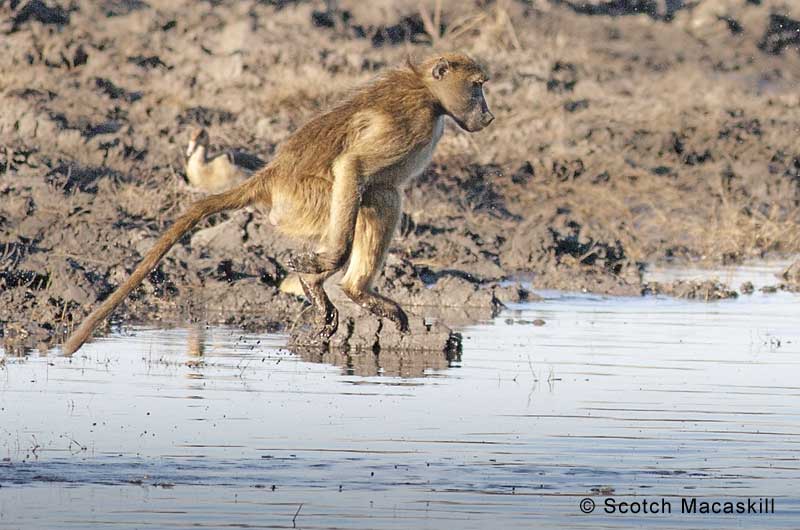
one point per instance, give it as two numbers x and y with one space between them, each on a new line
623 398
761 273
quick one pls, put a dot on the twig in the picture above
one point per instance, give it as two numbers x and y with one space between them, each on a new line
437 18
77 257
80 445
430 28
510 27
294 519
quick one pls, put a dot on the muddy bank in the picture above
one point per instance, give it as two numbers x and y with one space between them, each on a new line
624 137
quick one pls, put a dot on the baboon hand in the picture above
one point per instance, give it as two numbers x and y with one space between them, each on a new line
313 263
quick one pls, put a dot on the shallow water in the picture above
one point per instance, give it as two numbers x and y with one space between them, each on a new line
761 273
614 397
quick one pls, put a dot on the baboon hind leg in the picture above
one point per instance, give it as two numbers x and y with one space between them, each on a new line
377 219
337 242
327 317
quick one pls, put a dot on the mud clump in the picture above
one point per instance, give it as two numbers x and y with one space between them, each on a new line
615 8
361 332
781 33
707 290
563 78
36 10
563 253
409 28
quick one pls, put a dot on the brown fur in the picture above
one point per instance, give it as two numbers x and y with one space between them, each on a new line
336 182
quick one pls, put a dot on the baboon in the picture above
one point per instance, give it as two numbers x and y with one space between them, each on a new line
336 182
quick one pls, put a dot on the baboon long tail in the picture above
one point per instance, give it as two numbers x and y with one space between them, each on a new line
243 195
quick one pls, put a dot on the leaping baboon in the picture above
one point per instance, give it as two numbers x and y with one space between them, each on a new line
336 181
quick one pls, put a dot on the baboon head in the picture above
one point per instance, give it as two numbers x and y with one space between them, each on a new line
197 138
457 82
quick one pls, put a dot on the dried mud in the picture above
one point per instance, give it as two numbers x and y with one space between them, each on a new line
625 135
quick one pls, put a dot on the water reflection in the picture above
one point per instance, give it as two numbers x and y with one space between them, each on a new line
364 363
196 341
405 364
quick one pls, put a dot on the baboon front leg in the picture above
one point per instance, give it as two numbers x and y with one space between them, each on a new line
338 240
377 219
327 316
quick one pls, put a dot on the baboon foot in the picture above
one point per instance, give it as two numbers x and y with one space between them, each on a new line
327 316
383 307
328 323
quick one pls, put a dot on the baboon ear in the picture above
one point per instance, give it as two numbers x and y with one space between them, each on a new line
440 69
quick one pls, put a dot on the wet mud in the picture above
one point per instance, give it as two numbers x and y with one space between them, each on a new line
628 134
